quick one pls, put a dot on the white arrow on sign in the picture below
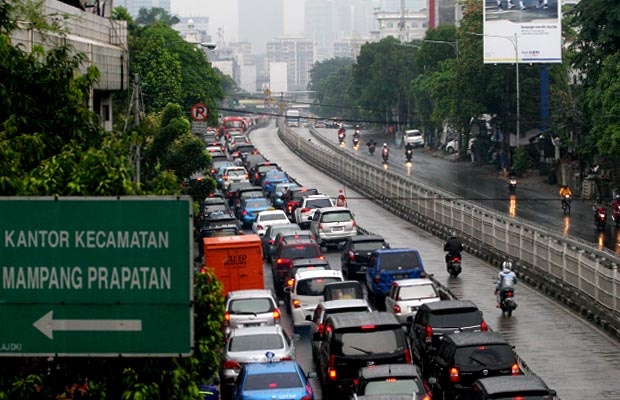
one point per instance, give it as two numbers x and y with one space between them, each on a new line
47 325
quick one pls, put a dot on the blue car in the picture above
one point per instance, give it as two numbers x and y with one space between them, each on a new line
272 178
276 380
250 207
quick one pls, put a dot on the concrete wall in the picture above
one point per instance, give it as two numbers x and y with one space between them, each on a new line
103 40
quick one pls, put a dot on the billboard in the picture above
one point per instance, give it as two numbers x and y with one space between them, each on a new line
529 31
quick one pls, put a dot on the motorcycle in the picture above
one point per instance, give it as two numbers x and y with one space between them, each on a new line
566 204
506 301
454 265
385 153
408 154
512 185
371 148
615 216
341 137
600 218
356 141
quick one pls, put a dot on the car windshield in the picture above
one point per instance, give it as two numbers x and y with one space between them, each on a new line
368 246
264 168
222 232
250 306
391 385
297 195
452 319
263 341
521 396
257 203
236 172
276 175
273 217
281 380
313 286
333 311
417 292
309 268
337 217
318 203
366 342
485 355
250 193
400 260
292 252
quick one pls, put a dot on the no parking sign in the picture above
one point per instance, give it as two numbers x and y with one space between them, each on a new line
199 112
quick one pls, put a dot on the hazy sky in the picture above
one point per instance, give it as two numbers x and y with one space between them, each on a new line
223 13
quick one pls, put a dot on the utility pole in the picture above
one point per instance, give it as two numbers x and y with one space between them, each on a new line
136 121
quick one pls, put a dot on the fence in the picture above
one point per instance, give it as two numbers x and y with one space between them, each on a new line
581 276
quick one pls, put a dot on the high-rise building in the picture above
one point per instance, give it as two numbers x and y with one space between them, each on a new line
134 6
410 5
414 27
260 22
443 12
298 53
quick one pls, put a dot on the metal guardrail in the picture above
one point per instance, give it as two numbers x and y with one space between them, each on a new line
584 278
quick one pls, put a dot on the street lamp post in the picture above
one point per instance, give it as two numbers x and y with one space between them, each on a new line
515 44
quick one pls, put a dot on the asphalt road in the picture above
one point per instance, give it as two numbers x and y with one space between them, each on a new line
570 354
535 201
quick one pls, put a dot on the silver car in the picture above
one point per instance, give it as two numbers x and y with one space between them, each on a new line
407 295
333 225
251 345
250 308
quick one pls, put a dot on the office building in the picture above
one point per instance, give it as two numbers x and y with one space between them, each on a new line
298 53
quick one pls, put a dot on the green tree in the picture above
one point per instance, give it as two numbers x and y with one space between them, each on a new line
152 16
330 80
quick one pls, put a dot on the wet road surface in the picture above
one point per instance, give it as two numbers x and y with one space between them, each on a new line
571 355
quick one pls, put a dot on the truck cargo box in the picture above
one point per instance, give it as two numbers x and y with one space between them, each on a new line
237 261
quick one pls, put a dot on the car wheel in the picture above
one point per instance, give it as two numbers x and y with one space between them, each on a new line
450 150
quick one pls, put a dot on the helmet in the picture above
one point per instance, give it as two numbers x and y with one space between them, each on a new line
507 266
452 234
384 144
618 197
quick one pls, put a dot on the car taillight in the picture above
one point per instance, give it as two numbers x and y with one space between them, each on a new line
354 224
296 303
226 318
244 212
454 375
286 358
266 182
290 282
231 364
484 327
305 210
308 395
282 261
408 358
428 334
321 329
259 227
377 278
331 368
320 226
515 370
276 315
396 309
426 397
245 176
351 255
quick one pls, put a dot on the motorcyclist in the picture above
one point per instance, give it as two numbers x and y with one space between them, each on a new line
505 278
565 191
385 150
453 246
371 143
408 150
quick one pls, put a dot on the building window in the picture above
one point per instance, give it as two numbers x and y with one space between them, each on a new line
390 25
105 112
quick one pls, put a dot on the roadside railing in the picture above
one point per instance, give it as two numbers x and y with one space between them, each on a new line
581 276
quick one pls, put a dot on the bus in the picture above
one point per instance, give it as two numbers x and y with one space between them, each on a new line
292 117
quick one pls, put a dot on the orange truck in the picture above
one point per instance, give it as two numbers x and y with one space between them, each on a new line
236 260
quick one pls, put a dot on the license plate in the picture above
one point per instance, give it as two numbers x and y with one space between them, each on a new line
399 276
251 325
337 228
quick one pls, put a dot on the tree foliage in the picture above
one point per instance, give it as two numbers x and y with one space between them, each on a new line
330 79
155 15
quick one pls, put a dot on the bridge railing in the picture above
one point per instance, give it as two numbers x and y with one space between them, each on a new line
583 277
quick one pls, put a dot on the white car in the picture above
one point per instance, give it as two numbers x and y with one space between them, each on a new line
453 145
407 295
307 293
414 137
308 205
268 217
234 174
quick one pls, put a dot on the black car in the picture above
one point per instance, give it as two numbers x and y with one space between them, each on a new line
284 255
464 357
354 340
356 253
257 174
268 239
292 198
526 387
433 320
391 379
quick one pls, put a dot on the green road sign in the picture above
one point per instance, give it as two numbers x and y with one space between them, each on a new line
96 276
